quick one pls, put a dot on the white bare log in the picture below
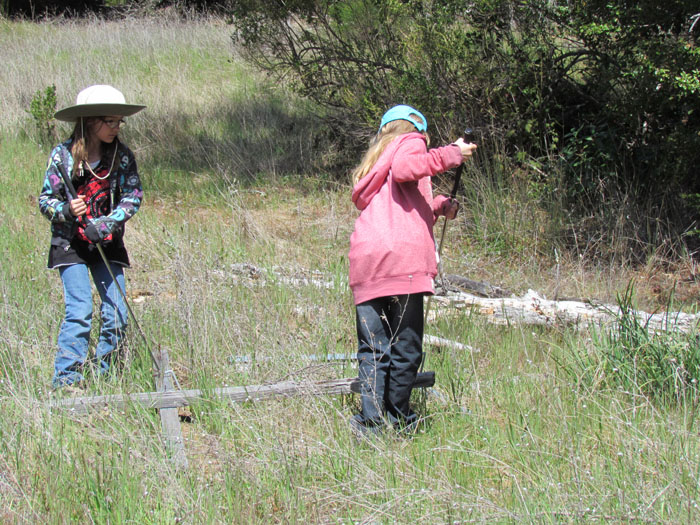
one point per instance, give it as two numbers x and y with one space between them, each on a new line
441 342
534 309
531 308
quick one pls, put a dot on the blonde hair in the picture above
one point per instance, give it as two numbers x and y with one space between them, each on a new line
381 140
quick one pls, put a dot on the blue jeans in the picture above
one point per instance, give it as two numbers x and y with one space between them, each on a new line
74 336
390 350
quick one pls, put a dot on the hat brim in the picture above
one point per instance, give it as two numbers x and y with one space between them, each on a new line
72 113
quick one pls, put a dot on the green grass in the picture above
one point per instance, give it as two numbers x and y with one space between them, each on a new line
510 433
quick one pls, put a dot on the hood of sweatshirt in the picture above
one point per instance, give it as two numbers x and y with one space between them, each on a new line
369 185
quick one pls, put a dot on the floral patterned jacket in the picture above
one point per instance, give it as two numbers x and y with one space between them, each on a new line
54 202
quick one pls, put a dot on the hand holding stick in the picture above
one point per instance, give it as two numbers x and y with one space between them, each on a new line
78 206
467 146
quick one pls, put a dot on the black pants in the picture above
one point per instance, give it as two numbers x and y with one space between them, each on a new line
390 336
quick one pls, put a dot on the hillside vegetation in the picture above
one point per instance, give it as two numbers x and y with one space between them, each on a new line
533 425
590 107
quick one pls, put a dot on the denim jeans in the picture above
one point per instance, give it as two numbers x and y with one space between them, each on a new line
390 350
74 336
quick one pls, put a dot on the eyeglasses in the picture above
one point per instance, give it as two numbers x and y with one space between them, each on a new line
113 124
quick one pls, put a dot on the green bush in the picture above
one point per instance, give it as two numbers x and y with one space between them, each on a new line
42 110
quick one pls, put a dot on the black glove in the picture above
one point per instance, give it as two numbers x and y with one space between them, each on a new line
93 233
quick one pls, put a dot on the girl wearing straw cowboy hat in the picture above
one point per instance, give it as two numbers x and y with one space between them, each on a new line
91 189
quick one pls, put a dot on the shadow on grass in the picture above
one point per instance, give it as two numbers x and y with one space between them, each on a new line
239 141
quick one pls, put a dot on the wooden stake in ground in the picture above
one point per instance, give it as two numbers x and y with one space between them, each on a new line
169 418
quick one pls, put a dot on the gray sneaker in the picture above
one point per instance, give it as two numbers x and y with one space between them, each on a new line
362 431
71 390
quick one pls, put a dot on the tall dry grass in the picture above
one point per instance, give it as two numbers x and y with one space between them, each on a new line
508 434
206 111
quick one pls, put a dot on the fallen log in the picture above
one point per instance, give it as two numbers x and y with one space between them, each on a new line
499 307
180 398
483 288
440 342
533 309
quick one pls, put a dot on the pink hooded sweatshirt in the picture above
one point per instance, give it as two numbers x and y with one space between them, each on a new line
392 249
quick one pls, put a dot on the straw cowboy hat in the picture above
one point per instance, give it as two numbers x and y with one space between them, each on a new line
98 101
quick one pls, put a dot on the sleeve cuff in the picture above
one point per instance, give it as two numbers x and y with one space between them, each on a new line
66 212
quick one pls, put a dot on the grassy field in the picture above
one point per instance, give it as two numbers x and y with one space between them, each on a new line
532 426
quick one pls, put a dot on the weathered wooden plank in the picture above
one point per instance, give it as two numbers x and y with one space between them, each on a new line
246 359
169 418
179 398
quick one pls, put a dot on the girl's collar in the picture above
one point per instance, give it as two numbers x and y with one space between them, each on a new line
86 164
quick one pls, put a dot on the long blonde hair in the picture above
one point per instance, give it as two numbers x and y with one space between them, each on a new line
381 140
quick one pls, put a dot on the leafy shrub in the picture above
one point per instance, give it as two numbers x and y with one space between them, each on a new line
42 109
